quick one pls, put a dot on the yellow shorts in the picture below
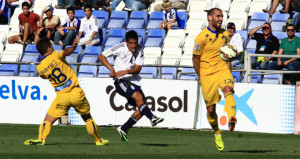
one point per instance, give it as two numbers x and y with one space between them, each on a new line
63 101
211 83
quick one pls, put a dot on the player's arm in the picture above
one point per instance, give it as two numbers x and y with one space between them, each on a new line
196 64
136 69
104 61
254 30
68 51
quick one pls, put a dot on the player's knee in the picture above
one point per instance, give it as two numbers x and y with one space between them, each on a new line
10 40
227 89
86 117
137 95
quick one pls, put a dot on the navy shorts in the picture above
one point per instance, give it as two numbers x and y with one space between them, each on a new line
127 89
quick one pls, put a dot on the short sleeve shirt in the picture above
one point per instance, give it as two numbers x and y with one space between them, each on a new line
266 46
32 20
290 47
170 15
207 46
88 26
68 23
125 60
55 20
237 41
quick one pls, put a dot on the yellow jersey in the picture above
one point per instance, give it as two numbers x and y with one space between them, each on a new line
55 68
207 45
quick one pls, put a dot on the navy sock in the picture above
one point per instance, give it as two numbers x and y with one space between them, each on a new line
129 123
146 111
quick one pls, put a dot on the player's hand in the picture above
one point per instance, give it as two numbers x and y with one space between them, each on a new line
44 10
279 63
121 73
264 25
89 43
286 63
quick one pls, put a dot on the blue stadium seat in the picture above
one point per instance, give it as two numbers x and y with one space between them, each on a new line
148 72
89 58
24 70
155 38
187 75
297 34
258 19
280 35
278 20
154 20
57 47
79 14
137 20
115 36
102 35
169 73
236 76
103 71
102 17
271 79
244 35
183 19
92 50
141 34
251 45
77 52
30 57
118 19
8 69
87 71
31 48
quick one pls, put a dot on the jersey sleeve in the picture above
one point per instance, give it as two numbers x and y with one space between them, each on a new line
199 44
81 26
64 24
113 51
95 25
59 54
140 58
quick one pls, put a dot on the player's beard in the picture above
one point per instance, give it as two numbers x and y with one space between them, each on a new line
216 25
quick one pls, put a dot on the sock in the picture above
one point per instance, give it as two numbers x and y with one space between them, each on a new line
44 130
129 123
146 111
213 121
92 129
229 105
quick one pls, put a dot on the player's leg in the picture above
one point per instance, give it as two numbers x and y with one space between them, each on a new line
82 107
212 118
226 84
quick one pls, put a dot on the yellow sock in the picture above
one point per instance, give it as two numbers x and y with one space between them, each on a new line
92 129
44 130
230 105
213 121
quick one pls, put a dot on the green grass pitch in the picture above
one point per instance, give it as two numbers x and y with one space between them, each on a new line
74 142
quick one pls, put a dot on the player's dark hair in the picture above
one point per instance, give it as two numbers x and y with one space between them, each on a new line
25 4
211 12
71 9
131 35
87 6
290 25
43 44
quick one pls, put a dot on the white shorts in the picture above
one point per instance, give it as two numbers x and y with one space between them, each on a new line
85 39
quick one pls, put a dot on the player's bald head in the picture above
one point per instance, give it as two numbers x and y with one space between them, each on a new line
212 11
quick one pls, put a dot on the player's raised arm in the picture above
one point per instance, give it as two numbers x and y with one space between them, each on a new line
68 51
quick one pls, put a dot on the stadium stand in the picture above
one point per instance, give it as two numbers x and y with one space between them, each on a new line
87 71
115 36
168 72
271 79
118 19
137 20
27 70
8 69
278 21
188 74
154 20
103 72
174 38
141 34
148 72
258 19
155 38
102 17
12 53
152 55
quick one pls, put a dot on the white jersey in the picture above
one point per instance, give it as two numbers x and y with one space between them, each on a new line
237 41
125 60
170 15
88 26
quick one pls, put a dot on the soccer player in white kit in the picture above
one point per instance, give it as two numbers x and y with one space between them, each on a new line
129 59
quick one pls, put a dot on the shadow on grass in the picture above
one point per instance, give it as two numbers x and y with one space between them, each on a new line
253 151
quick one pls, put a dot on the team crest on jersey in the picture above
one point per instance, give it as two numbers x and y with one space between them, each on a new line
197 47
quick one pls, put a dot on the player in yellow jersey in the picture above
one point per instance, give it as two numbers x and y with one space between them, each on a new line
65 83
214 73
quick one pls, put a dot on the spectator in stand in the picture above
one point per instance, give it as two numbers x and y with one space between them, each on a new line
28 26
19 2
47 25
3 12
170 15
267 43
67 31
93 3
236 40
296 20
140 4
62 4
89 26
176 4
288 46
289 6
115 3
